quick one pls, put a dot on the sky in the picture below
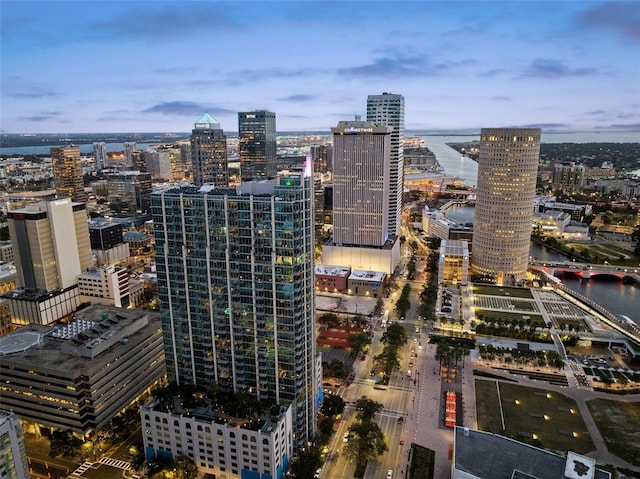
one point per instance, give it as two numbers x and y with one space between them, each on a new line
152 66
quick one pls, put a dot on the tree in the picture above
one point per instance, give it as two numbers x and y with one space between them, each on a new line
330 319
306 462
359 342
395 335
368 440
64 443
332 405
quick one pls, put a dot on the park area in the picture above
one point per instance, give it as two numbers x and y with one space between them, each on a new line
544 419
619 425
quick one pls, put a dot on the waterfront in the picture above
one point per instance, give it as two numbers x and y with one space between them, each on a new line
614 295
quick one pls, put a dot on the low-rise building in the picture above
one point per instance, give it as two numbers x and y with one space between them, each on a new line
108 286
453 265
366 283
484 455
332 279
220 445
79 375
6 251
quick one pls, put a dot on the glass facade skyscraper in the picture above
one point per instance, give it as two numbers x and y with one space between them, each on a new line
209 152
67 173
258 157
236 287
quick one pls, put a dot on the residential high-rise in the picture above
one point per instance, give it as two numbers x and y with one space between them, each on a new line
388 109
52 248
67 172
257 143
209 152
235 270
507 173
129 148
361 183
13 454
100 155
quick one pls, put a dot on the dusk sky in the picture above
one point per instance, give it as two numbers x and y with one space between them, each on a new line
151 66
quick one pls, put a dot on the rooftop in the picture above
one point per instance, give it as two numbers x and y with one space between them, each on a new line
484 455
373 276
330 270
97 336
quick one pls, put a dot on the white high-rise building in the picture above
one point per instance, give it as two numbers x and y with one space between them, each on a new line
388 109
100 155
507 173
129 148
13 454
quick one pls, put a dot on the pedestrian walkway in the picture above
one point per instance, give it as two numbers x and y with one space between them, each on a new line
109 461
82 468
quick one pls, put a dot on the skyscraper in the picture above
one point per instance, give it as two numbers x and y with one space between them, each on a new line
507 172
388 109
130 191
236 287
100 155
52 248
67 172
361 183
129 148
209 152
258 158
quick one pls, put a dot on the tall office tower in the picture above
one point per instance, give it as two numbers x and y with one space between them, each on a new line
361 183
13 453
130 192
507 172
388 109
129 148
322 158
138 161
235 273
100 155
107 244
52 249
158 164
209 152
67 172
257 144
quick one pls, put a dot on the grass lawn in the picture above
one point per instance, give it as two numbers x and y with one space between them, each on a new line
500 291
533 416
619 424
487 406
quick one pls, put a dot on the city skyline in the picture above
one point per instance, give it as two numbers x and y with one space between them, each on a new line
137 66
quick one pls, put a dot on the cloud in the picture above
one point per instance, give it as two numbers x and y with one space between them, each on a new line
544 126
502 98
619 17
33 93
554 69
44 116
491 73
251 76
621 127
186 108
386 67
168 22
596 112
297 98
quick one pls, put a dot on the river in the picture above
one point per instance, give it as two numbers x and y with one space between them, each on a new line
454 164
614 295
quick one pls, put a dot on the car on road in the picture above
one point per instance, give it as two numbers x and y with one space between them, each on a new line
389 473
345 438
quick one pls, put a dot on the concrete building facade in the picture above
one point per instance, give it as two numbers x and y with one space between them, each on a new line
507 173
388 109
67 172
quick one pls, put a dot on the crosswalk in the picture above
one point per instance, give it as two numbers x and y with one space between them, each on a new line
109 461
82 468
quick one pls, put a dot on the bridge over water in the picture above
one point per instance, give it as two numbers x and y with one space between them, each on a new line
586 270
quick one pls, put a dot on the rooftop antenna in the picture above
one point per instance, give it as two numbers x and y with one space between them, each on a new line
358 117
